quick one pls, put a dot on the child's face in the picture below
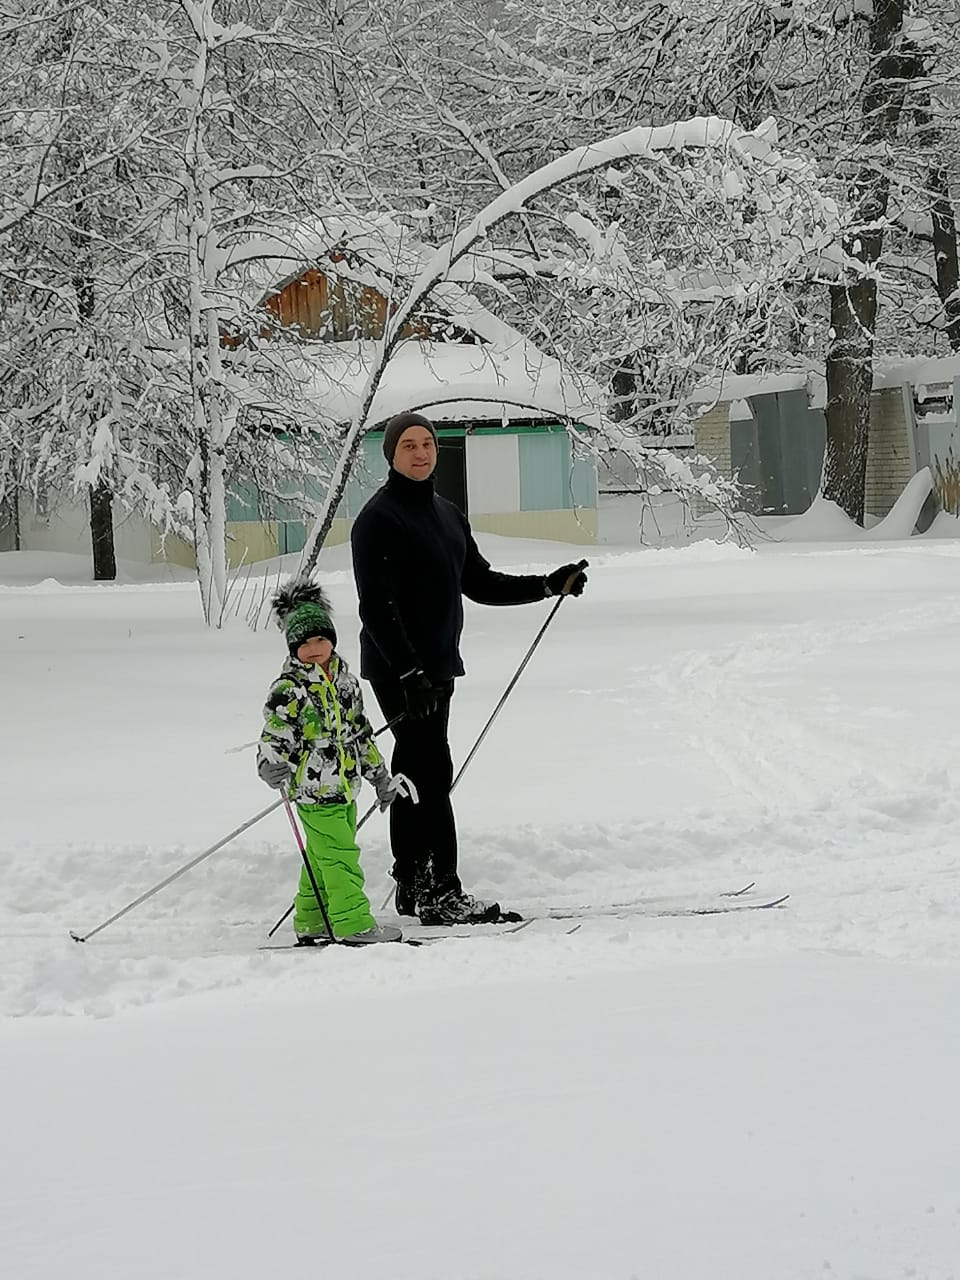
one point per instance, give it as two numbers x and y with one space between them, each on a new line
317 649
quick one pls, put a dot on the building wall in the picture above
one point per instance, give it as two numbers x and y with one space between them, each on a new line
247 542
339 533
711 435
251 540
890 462
67 528
171 550
518 485
493 474
567 525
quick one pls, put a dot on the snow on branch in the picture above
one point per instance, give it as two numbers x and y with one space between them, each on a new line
781 225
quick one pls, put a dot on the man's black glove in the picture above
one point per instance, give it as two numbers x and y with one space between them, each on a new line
421 696
567 573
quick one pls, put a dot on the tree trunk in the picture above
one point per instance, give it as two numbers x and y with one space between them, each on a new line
853 302
942 216
101 496
623 385
10 522
211 421
853 312
945 255
101 532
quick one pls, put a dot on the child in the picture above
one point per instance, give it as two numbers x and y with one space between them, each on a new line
316 743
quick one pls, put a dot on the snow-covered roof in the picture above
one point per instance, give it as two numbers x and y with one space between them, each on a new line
449 381
894 371
376 249
505 376
729 387
888 372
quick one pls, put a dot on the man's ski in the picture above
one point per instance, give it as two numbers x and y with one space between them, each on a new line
655 908
492 929
651 909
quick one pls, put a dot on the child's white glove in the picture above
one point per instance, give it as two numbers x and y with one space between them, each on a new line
389 787
275 774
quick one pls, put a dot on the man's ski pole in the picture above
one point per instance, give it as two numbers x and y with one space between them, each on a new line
509 689
188 866
519 671
312 878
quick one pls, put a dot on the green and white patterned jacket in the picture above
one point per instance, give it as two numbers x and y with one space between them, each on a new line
318 726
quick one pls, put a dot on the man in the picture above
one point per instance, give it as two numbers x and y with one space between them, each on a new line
414 558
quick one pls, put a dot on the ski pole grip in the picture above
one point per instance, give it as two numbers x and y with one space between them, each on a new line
573 577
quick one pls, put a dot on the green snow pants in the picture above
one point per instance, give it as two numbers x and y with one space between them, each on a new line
331 839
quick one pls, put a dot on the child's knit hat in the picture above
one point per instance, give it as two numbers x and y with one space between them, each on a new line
303 610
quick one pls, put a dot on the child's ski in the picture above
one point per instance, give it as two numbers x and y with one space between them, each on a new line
324 944
416 936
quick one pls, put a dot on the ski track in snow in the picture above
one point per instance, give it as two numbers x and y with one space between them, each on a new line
813 795
757 739
870 877
783 1080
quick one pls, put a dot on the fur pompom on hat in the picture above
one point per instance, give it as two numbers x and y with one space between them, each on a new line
397 425
303 611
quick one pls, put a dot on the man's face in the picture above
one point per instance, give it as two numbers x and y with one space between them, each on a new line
416 454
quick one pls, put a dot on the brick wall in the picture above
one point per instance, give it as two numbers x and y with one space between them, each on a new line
711 435
889 464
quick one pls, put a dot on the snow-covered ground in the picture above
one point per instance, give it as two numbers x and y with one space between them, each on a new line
761 1096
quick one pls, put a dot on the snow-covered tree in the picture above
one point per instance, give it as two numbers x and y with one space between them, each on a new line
768 223
868 90
67 125
249 106
195 140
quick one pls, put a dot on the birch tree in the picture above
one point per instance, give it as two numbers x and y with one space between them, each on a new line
259 141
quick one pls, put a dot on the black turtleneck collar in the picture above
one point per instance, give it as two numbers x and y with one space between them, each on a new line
412 491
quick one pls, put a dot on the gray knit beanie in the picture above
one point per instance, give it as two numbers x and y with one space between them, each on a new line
398 425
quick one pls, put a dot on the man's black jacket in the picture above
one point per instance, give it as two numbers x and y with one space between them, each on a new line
414 558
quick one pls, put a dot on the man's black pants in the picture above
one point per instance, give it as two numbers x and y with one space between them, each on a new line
423 837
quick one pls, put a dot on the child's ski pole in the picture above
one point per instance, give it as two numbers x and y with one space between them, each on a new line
306 862
289 911
188 866
369 814
409 790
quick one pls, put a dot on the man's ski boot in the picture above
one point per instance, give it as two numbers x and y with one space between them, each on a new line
457 907
405 898
409 893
